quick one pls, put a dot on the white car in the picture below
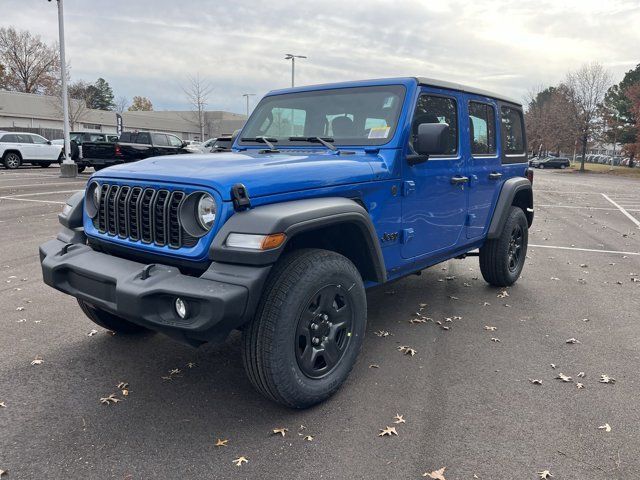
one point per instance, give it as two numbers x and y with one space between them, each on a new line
193 146
17 148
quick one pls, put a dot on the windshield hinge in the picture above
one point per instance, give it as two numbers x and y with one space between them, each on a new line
408 187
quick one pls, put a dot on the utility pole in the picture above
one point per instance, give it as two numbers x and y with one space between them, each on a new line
247 95
68 168
292 57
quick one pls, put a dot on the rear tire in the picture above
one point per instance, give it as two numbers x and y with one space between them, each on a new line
502 259
109 320
81 168
308 329
12 160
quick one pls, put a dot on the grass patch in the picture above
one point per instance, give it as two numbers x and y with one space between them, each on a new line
604 170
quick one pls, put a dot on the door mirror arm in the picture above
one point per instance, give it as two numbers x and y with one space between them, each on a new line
416 158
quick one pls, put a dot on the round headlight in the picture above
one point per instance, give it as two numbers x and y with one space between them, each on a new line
206 211
92 199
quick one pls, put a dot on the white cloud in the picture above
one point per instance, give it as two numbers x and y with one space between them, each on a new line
147 47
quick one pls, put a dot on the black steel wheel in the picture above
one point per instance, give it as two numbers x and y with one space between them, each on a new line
308 329
502 259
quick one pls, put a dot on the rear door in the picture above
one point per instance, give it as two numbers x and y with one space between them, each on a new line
483 162
45 151
27 148
161 144
434 205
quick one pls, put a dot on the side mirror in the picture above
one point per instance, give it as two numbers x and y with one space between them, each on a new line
432 139
184 144
48 142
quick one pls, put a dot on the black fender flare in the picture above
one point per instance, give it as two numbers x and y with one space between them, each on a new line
510 189
292 218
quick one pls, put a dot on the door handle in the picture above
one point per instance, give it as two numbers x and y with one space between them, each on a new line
495 176
457 180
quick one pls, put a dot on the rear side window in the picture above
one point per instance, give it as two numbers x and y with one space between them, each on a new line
24 138
437 109
512 131
482 128
11 138
160 139
144 138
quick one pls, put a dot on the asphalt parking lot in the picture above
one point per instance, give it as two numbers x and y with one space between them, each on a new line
466 395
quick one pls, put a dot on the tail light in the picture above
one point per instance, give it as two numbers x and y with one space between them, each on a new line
530 175
118 152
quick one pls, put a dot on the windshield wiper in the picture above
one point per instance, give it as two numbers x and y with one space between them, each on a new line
262 139
324 141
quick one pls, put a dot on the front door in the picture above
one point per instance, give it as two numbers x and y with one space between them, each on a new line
484 165
434 207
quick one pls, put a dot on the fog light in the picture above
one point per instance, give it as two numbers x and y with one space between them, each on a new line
181 308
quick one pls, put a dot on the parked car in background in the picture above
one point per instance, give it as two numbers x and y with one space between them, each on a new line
220 144
78 138
131 147
17 148
193 146
551 162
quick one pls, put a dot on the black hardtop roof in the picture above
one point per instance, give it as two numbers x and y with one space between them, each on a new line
432 82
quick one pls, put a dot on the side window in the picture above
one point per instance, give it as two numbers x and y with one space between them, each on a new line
144 138
512 131
10 138
38 139
482 128
437 109
24 138
160 139
174 141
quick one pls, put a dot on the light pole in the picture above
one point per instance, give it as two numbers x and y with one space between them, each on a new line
68 168
247 95
292 57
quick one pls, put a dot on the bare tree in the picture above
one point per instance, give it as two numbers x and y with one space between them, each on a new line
121 104
197 92
77 97
585 91
30 65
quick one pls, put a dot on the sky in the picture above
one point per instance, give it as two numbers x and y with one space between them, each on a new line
149 47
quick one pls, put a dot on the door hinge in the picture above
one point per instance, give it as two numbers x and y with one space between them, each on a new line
408 187
470 218
406 235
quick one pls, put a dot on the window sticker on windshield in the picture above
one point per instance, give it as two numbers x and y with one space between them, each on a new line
379 132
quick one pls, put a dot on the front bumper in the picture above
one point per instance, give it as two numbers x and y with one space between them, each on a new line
221 299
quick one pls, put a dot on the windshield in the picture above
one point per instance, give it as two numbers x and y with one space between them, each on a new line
345 116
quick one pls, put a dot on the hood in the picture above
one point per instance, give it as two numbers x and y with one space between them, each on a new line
262 174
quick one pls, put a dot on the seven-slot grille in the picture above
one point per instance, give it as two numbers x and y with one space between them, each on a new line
142 214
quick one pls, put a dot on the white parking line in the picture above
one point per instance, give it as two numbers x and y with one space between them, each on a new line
40 185
584 249
30 200
41 193
583 207
627 214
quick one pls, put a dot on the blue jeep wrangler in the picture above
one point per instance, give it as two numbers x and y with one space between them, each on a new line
329 190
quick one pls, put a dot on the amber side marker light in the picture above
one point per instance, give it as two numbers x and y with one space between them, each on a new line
255 242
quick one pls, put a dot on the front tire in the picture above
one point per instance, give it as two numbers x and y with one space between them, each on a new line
45 164
109 320
12 161
502 259
308 329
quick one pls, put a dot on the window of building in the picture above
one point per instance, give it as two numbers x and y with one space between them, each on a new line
482 130
437 109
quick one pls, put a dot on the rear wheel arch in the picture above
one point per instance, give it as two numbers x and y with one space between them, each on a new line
515 192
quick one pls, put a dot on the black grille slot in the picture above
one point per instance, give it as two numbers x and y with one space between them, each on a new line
143 214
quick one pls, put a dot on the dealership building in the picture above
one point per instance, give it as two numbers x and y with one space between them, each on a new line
43 114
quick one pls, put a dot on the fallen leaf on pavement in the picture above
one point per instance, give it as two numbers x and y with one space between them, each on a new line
545 474
503 294
92 333
240 460
20 309
579 386
572 340
122 385
486 304
417 320
309 438
604 378
387 432
606 427
399 419
490 328
280 431
221 443
563 377
3 472
436 474
37 361
2 405
191 365
110 399
496 340
581 375
535 381
382 333
373 365
552 365
407 350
